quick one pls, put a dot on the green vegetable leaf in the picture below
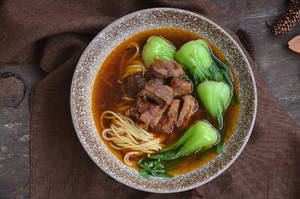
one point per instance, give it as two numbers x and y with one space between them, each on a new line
152 168
229 79
220 148
224 69
157 47
159 166
167 156
221 145
147 165
145 173
141 160
235 99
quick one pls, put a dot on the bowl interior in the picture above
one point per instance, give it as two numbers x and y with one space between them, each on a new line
91 61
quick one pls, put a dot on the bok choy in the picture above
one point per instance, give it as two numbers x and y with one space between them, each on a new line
197 58
157 47
198 136
215 97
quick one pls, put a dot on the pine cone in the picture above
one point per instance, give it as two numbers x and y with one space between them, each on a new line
246 40
289 19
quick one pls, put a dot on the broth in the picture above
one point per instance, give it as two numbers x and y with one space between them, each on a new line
107 93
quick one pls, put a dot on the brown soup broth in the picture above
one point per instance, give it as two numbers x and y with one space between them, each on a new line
107 93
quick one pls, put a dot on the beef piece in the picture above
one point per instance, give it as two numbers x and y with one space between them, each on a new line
142 105
132 112
152 116
169 118
180 86
189 106
163 81
148 113
135 83
166 69
156 91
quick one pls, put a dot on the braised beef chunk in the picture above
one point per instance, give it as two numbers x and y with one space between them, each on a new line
166 69
148 113
132 112
135 83
152 116
156 91
163 81
180 86
189 106
142 105
169 118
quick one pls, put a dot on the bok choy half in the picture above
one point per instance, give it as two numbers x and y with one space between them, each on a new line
197 58
157 47
215 97
198 136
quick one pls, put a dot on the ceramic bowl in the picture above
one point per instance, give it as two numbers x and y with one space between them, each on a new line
91 61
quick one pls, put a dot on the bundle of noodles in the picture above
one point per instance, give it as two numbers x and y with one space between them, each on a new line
125 135
135 63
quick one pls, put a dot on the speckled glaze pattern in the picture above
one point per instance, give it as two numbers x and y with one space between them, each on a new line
90 63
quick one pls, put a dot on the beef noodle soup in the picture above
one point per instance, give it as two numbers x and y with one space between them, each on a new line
165 102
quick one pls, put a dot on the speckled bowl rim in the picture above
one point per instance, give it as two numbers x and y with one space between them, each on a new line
90 63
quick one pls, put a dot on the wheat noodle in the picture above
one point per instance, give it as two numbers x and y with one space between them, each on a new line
124 134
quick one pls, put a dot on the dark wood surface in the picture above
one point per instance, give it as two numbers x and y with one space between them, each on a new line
279 66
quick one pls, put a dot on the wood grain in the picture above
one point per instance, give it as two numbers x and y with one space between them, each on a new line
12 90
15 128
279 66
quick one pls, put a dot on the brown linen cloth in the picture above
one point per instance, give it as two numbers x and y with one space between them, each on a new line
54 34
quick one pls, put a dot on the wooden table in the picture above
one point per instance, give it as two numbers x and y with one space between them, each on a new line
279 66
